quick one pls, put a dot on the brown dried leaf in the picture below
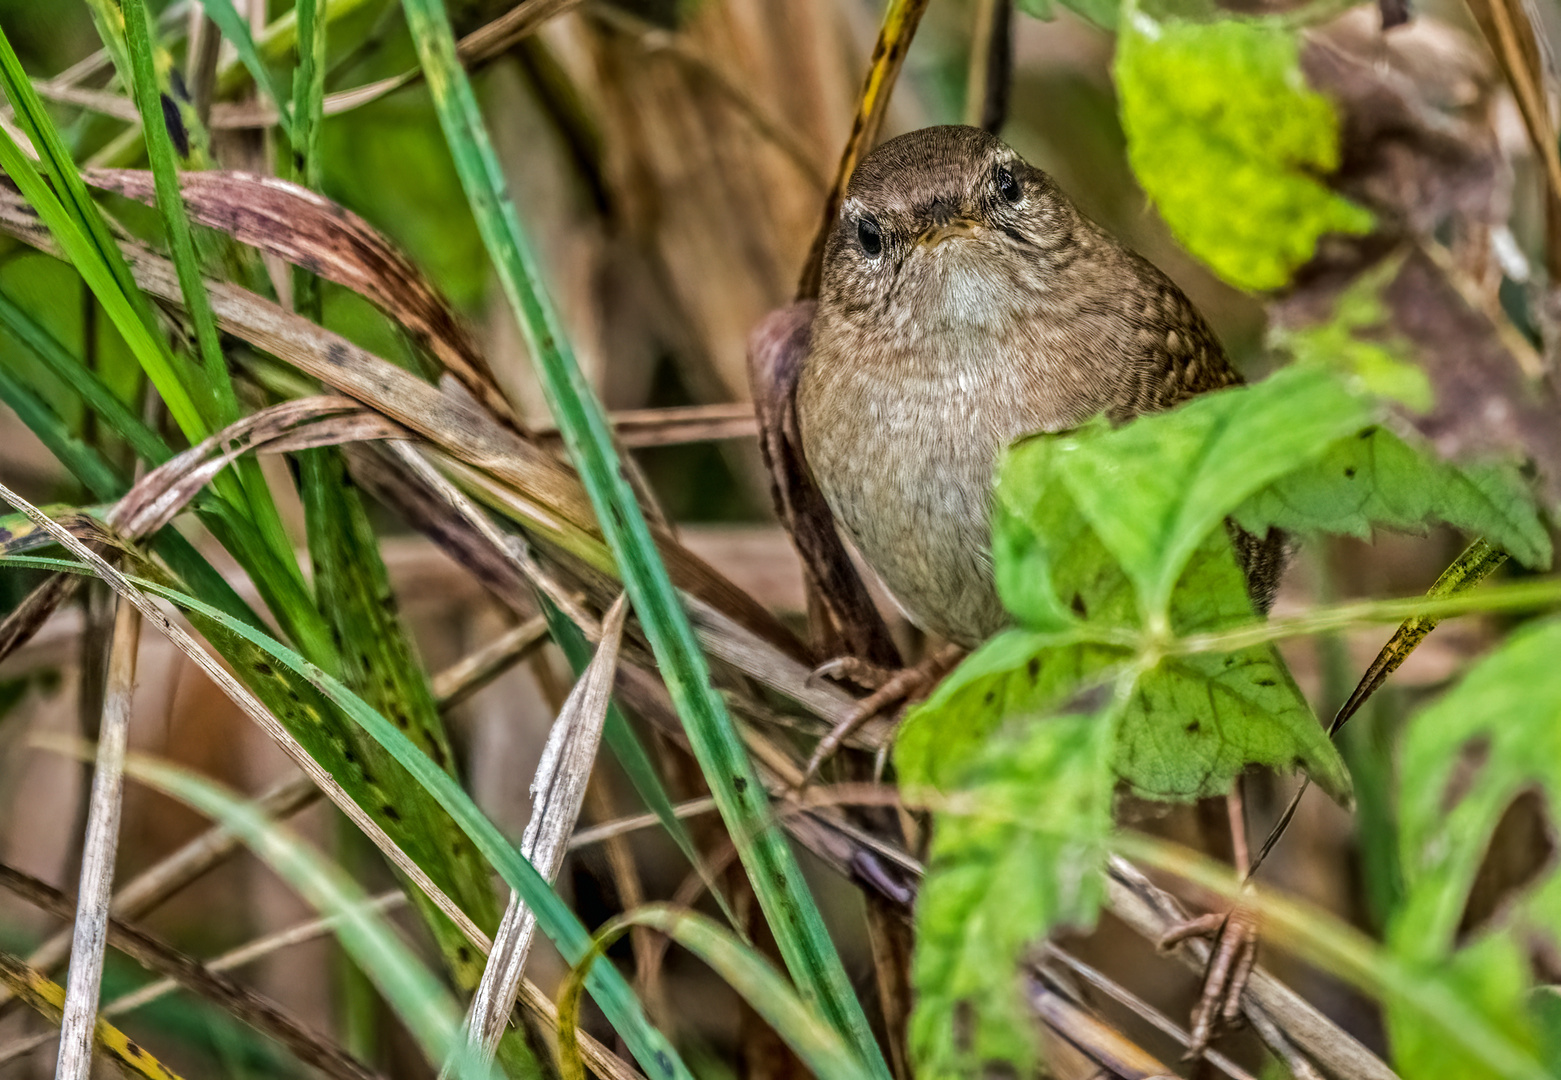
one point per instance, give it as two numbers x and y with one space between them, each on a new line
309 230
1485 401
1420 148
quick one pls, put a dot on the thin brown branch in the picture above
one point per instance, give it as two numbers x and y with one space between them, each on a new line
259 1012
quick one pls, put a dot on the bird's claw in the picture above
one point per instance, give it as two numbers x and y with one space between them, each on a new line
907 685
1225 979
853 670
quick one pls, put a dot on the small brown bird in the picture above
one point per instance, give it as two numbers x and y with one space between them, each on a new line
967 302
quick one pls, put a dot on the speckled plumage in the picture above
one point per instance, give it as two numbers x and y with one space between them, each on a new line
981 318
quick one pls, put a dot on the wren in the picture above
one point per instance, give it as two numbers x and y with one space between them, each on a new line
966 302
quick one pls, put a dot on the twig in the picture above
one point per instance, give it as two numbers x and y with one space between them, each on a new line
1142 1008
99 850
1152 912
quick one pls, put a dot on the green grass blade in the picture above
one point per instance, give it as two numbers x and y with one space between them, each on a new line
111 29
820 1046
235 28
83 460
170 204
377 660
83 380
428 1011
251 490
654 1053
80 230
782 892
308 112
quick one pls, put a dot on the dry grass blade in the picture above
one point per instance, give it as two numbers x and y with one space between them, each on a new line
28 617
901 17
558 793
248 953
47 998
89 942
257 712
1142 1008
498 36
259 1012
547 493
1510 29
1103 1045
168 489
653 39
309 230
637 429
383 474
292 425
464 678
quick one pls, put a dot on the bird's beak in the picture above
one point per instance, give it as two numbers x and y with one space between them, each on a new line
935 235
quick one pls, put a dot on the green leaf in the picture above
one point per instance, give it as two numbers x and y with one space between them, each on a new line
1108 544
1155 488
1464 760
1013 858
782 892
820 1047
1379 478
1192 723
1226 138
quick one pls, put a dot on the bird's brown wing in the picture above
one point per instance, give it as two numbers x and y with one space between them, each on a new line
1181 357
845 620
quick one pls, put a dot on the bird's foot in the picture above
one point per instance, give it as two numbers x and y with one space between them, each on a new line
1225 979
863 674
907 685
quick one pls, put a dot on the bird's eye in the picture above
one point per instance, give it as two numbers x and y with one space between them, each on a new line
1008 185
869 235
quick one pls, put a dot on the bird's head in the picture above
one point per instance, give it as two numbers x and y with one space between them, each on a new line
942 229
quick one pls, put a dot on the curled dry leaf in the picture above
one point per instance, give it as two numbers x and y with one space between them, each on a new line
309 230
165 491
302 424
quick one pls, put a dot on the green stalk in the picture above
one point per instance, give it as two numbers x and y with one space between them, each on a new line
308 112
76 224
793 916
170 203
283 581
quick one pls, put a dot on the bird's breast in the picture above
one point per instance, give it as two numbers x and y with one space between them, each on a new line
904 453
